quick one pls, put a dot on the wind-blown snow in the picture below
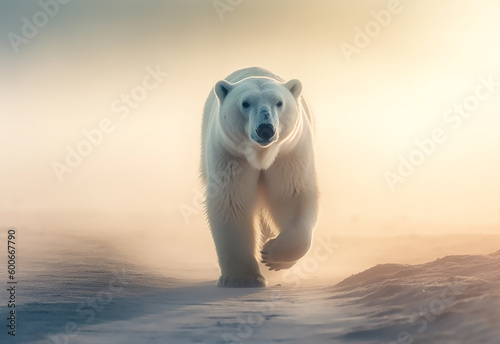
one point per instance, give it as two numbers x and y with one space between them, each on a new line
455 299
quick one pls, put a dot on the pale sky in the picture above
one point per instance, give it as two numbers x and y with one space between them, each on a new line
425 59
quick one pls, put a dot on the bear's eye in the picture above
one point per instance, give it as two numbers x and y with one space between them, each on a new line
279 104
245 104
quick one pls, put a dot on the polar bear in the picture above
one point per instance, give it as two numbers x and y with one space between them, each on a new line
259 174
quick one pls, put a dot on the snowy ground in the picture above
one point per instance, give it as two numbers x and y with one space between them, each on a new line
83 294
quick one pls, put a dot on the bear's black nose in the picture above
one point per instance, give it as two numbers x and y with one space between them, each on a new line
265 131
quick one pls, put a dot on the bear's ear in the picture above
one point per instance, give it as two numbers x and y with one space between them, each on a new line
295 87
222 88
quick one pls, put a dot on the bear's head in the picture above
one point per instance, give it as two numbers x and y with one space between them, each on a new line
258 115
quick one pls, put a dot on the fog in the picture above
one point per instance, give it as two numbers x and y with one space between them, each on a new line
100 126
370 105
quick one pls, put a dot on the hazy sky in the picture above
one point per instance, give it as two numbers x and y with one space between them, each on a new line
399 85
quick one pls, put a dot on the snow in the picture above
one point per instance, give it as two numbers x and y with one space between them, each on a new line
83 294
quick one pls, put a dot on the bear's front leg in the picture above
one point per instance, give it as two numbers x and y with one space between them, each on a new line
230 200
291 191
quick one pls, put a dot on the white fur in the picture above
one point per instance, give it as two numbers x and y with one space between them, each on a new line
242 177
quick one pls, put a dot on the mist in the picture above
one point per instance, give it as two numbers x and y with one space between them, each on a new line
100 126
370 106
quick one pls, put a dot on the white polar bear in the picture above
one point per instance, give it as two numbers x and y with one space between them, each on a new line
259 172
